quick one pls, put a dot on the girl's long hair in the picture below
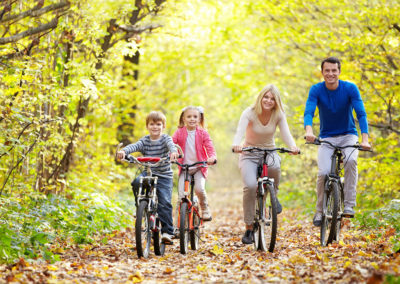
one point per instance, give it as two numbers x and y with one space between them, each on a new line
201 113
275 92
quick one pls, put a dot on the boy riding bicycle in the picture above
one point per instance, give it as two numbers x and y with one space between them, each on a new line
157 144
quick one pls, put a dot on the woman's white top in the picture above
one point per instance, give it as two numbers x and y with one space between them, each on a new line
258 135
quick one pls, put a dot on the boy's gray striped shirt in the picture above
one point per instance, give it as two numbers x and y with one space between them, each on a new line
154 148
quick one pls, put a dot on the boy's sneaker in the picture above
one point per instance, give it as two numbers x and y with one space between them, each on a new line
248 237
348 212
167 238
317 220
176 233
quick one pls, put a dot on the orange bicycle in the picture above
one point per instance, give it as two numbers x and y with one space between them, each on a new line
189 220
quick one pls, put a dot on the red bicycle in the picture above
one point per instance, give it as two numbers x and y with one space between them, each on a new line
265 225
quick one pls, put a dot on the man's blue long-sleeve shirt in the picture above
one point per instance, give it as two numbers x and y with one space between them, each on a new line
336 109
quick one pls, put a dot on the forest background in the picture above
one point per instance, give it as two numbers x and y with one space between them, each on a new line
78 77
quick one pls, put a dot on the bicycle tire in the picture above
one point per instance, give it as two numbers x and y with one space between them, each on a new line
330 213
194 235
267 225
158 245
142 230
258 228
270 234
184 228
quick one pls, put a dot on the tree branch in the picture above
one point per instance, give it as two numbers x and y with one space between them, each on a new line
137 29
50 25
397 27
384 126
36 11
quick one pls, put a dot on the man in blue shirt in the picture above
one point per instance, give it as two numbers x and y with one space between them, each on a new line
336 100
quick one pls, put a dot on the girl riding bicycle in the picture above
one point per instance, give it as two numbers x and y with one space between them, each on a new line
257 125
197 146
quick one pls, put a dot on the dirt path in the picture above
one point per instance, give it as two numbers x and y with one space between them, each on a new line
222 258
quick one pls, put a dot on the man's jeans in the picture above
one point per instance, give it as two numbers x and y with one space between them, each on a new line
164 194
350 168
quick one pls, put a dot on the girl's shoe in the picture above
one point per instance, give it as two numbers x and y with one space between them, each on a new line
206 216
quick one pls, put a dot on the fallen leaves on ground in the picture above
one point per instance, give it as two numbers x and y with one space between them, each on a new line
298 256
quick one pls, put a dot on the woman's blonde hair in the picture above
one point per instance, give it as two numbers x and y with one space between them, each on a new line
201 113
275 93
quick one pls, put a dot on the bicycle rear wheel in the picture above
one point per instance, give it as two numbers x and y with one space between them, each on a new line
184 228
194 235
143 232
330 213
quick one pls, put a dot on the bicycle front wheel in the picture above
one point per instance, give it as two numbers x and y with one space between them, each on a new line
159 247
184 228
341 209
267 227
330 213
142 230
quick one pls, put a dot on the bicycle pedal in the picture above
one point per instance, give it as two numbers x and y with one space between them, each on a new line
347 216
167 242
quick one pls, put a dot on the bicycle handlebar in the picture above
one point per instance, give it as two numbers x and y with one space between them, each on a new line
252 149
319 142
145 161
202 163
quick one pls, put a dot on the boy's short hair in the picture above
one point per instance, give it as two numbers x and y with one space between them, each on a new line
156 116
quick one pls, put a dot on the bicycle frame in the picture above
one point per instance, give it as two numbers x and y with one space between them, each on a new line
189 188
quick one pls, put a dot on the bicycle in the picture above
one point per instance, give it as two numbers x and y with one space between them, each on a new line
148 224
189 221
265 225
333 198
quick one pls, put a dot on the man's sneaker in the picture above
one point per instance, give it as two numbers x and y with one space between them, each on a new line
278 207
248 237
206 216
167 238
348 212
317 221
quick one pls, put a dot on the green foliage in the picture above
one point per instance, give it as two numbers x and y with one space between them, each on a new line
32 224
385 217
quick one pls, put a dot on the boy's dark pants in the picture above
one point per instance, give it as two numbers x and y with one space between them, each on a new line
164 194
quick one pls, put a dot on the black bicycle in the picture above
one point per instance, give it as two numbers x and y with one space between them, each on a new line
148 224
333 200
265 225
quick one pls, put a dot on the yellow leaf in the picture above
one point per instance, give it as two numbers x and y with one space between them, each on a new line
137 277
52 267
347 264
217 250
297 259
374 265
341 243
201 267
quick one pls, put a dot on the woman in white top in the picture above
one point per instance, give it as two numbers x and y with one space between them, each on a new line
257 125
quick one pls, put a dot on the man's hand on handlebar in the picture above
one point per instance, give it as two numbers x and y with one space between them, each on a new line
365 145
